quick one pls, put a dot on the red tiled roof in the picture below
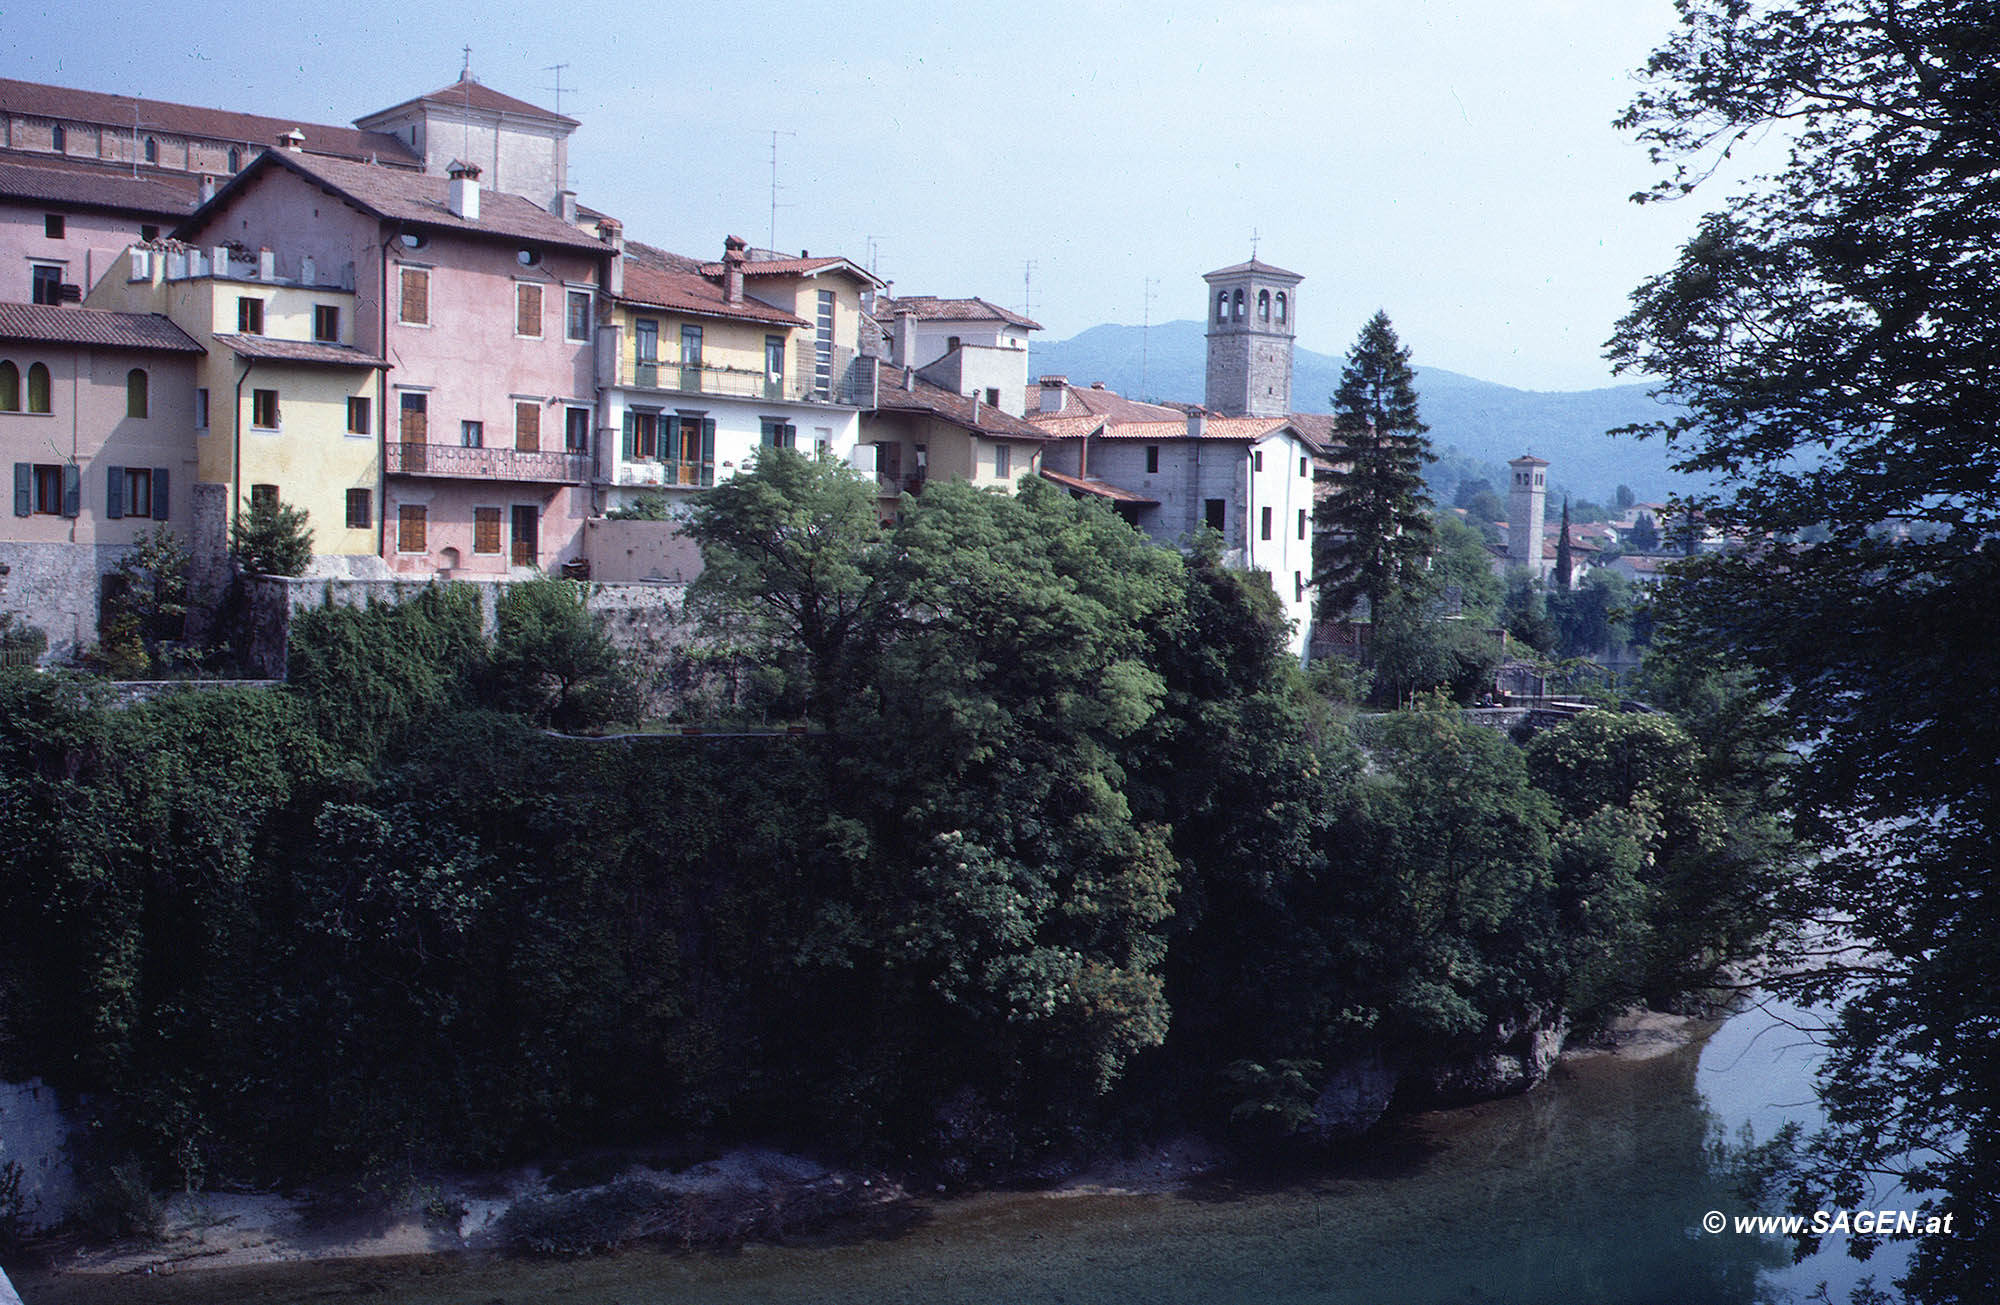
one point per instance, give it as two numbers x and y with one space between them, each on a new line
892 395
471 92
153 196
298 351
47 324
1316 427
690 292
1159 432
162 118
792 267
394 195
930 308
1079 400
1258 266
1098 488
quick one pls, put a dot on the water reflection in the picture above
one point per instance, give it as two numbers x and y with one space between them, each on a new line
1588 1190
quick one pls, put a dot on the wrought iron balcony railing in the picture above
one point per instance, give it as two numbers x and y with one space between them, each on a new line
456 461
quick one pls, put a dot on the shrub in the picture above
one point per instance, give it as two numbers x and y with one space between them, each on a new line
272 538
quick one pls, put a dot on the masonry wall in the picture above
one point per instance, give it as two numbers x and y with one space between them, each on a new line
86 251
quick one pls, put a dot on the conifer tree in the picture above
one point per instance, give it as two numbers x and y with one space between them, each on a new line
1377 525
1565 559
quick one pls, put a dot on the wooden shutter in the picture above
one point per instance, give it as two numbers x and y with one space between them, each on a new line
631 437
527 310
159 493
409 529
416 296
415 421
708 450
114 492
72 489
527 427
24 489
486 530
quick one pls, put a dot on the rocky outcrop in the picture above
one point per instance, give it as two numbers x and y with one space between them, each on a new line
1355 1097
1511 1058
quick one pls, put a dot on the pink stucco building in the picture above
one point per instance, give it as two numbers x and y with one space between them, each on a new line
484 306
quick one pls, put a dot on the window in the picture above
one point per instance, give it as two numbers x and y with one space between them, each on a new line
646 340
135 492
358 422
528 310
148 231
1281 305
1302 523
1257 460
360 509
46 489
527 427
326 323
47 287
472 434
950 343
689 438
415 309
38 387
774 360
822 441
1152 459
576 322
10 387
415 418
527 546
1263 305
1212 513
1264 524
235 160
1003 460
1222 307
690 346
642 435
1236 307
528 257
152 150
201 408
264 409
486 530
413 239
59 139
1305 468
265 497
823 345
52 226
993 396
576 430
779 434
410 521
249 316
135 392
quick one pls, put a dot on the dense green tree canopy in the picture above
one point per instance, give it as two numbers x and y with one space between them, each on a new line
1834 333
1376 527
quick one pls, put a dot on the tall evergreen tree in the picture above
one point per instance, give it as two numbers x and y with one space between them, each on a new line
1377 525
1565 559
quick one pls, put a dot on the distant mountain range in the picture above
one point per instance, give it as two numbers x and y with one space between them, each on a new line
1483 423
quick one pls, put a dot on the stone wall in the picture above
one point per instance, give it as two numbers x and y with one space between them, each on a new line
56 586
34 1134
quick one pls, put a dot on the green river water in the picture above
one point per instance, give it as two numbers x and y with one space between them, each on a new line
1589 1189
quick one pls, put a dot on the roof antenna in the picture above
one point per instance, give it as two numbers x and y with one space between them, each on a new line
465 80
557 69
1145 328
775 133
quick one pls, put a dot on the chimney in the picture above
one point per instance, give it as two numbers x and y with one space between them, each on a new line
975 407
1052 393
219 261
207 188
904 342
733 258
267 264
1197 424
293 140
464 190
613 233
566 206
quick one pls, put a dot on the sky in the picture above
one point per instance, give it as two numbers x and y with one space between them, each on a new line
1453 164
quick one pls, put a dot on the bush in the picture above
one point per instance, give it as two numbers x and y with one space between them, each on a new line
119 1203
272 538
585 1223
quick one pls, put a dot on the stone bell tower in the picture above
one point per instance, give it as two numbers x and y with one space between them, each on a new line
1252 315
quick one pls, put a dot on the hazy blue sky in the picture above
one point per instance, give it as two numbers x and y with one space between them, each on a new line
1452 163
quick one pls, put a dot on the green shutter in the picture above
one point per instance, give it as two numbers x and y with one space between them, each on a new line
159 493
708 450
631 437
114 492
24 489
669 446
72 489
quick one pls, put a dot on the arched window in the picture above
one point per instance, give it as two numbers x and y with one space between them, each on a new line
1263 305
152 150
235 160
1222 307
1238 307
135 392
59 139
38 388
10 387
1281 305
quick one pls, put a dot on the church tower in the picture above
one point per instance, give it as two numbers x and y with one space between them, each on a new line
1252 312
1527 509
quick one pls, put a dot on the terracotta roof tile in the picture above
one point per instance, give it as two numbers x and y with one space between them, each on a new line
1098 488
162 196
930 308
919 395
47 324
1091 401
298 351
395 195
163 118
1258 266
690 292
471 91
792 267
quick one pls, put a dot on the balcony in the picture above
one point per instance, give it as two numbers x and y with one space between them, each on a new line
803 382
457 462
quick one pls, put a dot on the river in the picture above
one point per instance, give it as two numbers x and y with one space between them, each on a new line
1589 1189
